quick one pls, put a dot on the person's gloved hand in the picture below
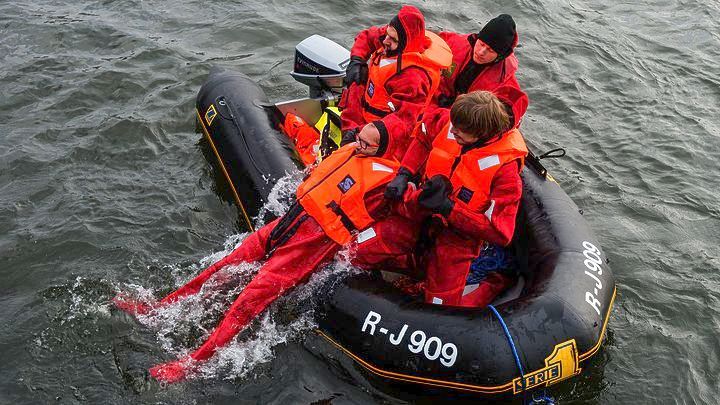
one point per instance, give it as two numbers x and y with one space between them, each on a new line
434 195
356 71
348 136
397 187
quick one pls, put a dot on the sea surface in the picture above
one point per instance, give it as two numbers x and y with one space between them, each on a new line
105 187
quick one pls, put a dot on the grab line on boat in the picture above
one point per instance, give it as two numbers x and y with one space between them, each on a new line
224 170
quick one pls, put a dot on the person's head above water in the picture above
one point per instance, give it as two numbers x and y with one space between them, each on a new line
478 117
496 40
405 32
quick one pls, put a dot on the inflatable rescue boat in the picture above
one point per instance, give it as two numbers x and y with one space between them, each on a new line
540 332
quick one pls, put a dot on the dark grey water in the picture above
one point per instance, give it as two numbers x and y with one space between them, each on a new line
104 186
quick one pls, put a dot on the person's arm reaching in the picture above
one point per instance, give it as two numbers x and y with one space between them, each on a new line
367 42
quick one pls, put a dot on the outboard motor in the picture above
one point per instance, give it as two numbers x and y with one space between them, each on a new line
320 64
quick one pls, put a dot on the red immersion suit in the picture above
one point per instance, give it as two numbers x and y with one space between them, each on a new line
498 77
343 194
400 83
492 76
486 195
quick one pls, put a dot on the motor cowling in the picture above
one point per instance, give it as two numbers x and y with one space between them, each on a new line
320 64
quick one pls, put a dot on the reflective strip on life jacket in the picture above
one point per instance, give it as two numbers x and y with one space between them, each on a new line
472 172
376 101
334 193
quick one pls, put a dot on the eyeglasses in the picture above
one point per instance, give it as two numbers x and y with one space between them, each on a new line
365 144
393 39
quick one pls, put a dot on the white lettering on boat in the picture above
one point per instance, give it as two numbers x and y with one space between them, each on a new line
432 348
371 320
593 262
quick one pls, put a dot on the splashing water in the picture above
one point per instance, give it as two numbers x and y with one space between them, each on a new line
280 198
82 305
181 326
241 357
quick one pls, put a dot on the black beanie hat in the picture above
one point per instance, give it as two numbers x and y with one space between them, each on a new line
499 34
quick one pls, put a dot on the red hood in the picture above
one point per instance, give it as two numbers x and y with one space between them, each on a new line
515 42
515 99
410 25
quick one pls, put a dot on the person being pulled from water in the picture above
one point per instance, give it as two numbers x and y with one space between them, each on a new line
344 194
472 156
390 85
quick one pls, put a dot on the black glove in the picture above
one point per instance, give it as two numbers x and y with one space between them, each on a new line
397 187
356 72
348 136
434 195
445 101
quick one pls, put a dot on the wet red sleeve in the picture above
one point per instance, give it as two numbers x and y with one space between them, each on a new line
496 222
408 91
376 204
409 207
367 41
423 138
351 105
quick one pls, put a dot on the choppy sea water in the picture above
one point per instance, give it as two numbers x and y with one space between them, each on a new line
104 186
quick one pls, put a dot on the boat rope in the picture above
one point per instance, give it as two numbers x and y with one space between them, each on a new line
511 342
534 161
543 398
553 154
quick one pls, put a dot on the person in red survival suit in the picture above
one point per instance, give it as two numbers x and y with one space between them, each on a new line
343 194
482 61
390 86
472 190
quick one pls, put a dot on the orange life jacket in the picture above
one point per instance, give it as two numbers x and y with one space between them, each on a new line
334 194
304 136
376 101
471 173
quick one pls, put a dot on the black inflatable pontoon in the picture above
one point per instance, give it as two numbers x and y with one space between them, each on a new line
251 153
556 323
556 320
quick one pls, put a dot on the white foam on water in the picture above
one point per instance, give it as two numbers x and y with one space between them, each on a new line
242 357
184 325
181 320
280 198
83 305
